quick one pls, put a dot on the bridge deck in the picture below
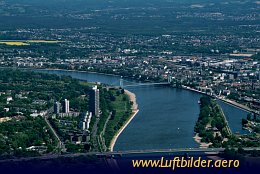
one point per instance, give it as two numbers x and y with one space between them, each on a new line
147 84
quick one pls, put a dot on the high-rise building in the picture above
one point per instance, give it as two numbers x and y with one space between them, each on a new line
88 120
85 120
66 106
56 108
94 101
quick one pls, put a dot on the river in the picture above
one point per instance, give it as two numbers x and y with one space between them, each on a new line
166 116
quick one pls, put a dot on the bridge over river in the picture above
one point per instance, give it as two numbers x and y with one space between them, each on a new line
125 83
159 152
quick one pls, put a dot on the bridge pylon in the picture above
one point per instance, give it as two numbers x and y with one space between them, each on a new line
121 82
169 79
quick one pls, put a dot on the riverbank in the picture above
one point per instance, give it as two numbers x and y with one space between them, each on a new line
68 70
198 139
226 121
212 126
145 100
134 112
237 105
227 101
203 145
194 90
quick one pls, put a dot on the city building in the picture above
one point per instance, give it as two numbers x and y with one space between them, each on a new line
66 106
94 101
85 121
70 114
56 108
8 99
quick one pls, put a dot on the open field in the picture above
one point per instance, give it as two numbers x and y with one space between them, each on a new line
14 43
26 42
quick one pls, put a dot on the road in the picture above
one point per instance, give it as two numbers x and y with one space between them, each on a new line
94 135
101 136
60 145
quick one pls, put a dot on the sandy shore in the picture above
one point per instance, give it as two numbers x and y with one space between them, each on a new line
134 112
197 138
132 99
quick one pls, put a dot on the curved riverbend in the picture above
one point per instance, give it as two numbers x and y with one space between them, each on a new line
166 116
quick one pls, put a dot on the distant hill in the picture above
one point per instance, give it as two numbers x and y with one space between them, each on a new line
145 15
119 2
90 4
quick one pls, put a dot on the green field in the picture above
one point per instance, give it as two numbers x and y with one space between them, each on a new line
121 111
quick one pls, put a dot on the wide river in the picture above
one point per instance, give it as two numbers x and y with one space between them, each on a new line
166 118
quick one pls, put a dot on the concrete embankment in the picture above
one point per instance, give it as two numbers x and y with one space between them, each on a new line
227 101
225 118
237 105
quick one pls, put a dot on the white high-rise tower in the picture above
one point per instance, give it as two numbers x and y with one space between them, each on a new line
66 106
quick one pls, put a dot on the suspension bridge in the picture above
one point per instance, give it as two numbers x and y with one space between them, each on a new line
125 83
